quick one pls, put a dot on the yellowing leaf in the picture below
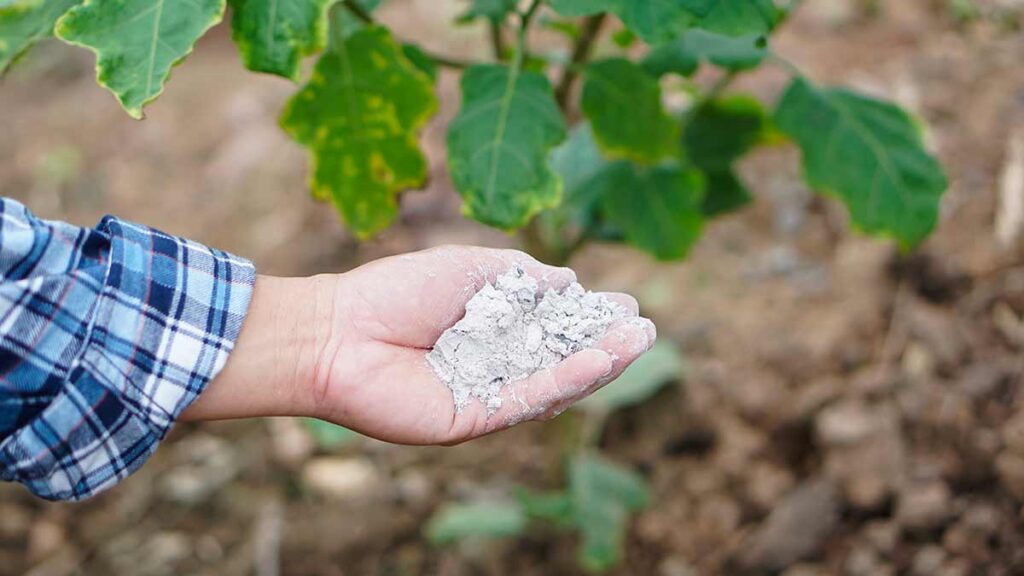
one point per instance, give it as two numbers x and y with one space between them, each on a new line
24 22
499 143
273 35
359 115
137 42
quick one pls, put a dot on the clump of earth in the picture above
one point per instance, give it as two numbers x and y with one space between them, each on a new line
509 332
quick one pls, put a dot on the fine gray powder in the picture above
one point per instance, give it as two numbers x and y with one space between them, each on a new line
509 332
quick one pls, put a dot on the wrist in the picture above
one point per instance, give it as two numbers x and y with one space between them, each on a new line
275 364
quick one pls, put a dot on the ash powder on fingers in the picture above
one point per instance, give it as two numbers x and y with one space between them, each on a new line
509 332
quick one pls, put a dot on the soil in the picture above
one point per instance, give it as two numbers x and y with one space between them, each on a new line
847 409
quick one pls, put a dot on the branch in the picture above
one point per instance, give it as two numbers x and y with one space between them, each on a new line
366 18
497 44
580 54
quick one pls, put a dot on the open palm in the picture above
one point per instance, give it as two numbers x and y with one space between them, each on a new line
373 375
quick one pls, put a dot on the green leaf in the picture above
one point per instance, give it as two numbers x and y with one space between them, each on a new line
328 435
555 507
623 104
274 35
455 522
603 496
137 42
722 130
740 17
725 193
870 154
24 22
421 60
574 8
499 143
344 23
578 162
658 209
359 115
495 10
684 54
660 366
719 132
658 21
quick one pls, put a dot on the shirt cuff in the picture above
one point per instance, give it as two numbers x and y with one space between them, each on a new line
167 317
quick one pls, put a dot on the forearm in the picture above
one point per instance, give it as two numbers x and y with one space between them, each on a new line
272 369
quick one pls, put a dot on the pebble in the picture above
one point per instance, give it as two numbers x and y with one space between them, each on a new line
342 478
924 506
795 529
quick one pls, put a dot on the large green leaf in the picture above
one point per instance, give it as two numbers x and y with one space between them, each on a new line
359 115
623 104
740 17
24 22
870 154
684 54
274 35
658 21
722 130
455 522
719 132
725 193
499 143
603 496
138 41
660 366
658 209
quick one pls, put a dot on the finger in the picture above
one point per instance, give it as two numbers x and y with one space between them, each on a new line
625 300
625 341
550 390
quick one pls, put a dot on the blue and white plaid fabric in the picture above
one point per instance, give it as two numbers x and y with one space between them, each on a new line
106 336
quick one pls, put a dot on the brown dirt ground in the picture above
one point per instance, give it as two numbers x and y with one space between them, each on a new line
797 332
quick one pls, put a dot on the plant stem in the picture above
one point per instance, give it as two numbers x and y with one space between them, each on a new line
366 18
713 92
524 26
359 12
580 55
784 62
497 43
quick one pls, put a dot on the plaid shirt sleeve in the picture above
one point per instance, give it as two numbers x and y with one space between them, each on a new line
106 336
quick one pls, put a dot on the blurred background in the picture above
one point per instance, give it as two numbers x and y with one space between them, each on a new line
844 409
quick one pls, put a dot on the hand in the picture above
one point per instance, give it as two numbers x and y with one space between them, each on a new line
359 357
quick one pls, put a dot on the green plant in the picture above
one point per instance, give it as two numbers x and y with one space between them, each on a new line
600 495
632 171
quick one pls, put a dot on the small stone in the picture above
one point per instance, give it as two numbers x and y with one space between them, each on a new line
1010 467
804 570
845 423
676 566
767 484
414 487
205 463
1012 433
44 538
928 561
882 535
795 529
342 478
861 561
924 506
